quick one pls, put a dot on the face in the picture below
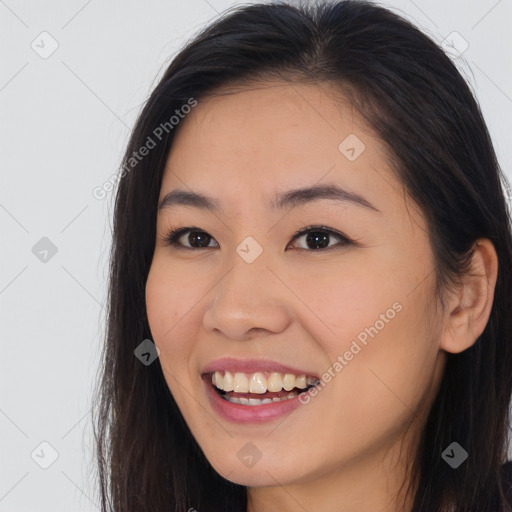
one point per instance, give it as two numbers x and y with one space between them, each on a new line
335 287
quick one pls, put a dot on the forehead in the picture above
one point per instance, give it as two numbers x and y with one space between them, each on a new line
270 136
276 115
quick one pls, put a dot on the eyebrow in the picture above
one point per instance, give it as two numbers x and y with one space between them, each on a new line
290 198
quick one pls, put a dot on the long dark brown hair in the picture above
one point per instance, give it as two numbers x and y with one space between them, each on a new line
413 96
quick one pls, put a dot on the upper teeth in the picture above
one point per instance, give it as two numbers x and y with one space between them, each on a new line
259 383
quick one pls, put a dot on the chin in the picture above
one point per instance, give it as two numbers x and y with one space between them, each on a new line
260 474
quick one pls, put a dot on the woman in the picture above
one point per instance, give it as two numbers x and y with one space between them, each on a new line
311 228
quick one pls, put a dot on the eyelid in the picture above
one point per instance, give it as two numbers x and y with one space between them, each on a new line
174 233
345 240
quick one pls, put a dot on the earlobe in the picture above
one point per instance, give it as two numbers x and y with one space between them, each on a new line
468 311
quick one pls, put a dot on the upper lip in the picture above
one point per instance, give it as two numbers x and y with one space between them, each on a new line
252 366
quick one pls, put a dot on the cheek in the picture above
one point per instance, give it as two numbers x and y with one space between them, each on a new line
170 310
348 300
378 340
391 373
170 301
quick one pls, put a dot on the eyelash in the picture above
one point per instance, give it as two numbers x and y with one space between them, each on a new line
172 237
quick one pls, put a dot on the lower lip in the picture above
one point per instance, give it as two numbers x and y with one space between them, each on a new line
249 413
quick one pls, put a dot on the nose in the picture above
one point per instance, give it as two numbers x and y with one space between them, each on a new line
249 301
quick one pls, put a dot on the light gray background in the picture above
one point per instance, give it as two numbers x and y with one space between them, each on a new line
63 127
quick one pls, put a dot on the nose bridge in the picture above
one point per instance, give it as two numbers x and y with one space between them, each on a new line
248 296
247 277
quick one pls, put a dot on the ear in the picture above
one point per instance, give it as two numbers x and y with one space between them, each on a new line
469 306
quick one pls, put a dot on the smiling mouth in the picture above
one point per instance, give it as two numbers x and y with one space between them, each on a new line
259 388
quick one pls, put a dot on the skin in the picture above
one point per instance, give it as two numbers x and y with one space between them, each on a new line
347 449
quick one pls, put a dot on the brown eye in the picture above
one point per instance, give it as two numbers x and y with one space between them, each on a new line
319 237
195 237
